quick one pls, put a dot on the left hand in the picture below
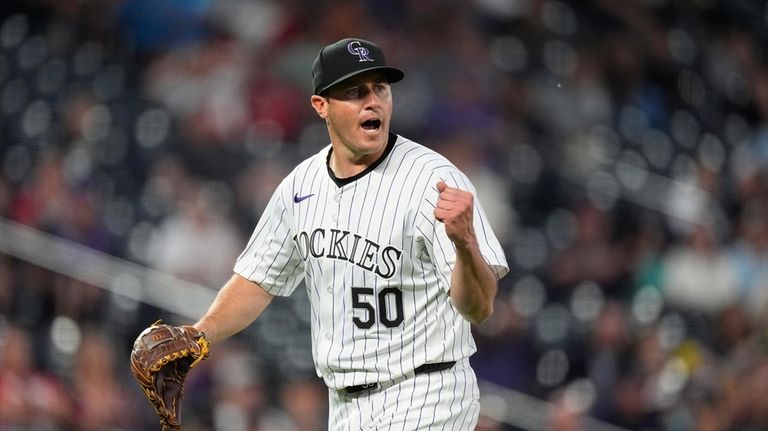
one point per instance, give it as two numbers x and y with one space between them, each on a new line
455 208
161 358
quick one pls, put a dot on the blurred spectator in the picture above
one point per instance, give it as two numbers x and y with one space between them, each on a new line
277 108
485 423
80 301
5 197
699 277
493 189
506 353
593 254
631 407
305 401
607 353
155 27
253 188
750 253
203 86
7 288
101 400
562 416
197 243
31 398
45 196
240 394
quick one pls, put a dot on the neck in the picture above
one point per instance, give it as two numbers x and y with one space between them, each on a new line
348 165
345 166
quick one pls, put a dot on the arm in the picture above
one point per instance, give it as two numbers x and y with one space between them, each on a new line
236 306
473 282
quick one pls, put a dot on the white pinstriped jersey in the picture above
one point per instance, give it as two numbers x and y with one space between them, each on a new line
376 264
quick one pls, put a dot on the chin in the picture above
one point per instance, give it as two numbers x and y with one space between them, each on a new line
378 136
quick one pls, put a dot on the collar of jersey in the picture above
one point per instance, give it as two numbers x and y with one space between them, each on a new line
341 182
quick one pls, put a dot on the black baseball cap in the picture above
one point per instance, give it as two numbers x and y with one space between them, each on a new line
346 58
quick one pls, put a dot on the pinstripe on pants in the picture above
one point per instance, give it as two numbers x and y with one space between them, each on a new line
446 400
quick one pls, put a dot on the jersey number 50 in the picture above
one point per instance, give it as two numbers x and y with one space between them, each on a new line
390 301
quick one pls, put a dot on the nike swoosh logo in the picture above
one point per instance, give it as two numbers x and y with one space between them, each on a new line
297 198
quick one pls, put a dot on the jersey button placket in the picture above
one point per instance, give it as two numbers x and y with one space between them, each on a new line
334 214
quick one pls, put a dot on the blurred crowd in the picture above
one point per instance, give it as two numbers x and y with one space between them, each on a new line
620 149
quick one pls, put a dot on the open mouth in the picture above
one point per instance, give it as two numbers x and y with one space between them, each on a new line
371 124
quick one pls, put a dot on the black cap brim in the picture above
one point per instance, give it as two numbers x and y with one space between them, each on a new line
392 74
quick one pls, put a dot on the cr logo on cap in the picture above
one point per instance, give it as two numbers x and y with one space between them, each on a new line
356 48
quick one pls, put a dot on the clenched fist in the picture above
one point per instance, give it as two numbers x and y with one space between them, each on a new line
455 208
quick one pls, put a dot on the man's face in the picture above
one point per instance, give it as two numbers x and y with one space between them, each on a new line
357 111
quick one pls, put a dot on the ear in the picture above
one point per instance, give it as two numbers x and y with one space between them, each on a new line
320 104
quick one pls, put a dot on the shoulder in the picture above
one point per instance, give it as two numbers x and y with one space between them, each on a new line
313 163
309 167
432 167
300 178
410 152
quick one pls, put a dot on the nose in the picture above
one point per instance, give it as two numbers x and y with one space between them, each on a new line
371 99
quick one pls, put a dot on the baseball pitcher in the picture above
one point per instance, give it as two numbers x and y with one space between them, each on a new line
397 256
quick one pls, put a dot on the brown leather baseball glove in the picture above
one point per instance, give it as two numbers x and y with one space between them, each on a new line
162 356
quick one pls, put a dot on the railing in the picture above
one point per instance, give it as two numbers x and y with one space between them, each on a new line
122 277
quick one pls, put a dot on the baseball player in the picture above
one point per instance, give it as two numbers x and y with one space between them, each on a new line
397 256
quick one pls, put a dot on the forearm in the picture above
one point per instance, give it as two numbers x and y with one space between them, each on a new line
235 307
473 284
